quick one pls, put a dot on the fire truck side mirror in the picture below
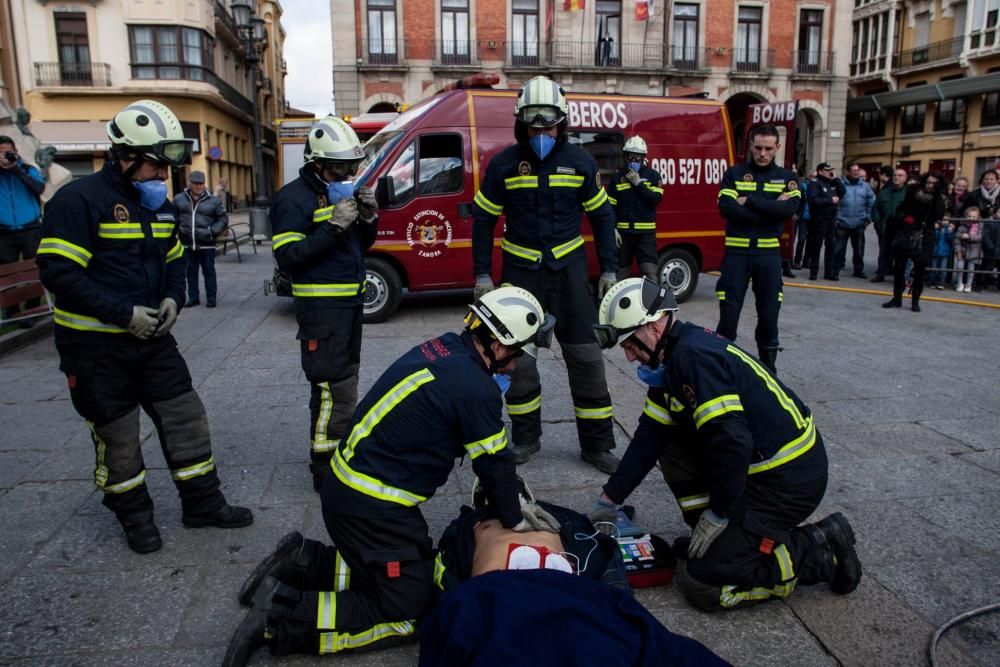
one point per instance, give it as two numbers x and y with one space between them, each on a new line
385 191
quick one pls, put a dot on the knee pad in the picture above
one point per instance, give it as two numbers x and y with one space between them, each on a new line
184 427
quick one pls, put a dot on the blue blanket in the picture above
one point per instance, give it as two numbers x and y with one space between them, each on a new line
543 617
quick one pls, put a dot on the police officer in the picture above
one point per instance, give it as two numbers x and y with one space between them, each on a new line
543 184
440 401
739 451
110 255
322 225
756 199
634 195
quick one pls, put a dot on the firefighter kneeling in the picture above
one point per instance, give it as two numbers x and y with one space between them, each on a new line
739 451
440 401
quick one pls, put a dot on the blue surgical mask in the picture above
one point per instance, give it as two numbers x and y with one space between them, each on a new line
339 190
503 381
542 144
654 377
635 166
152 194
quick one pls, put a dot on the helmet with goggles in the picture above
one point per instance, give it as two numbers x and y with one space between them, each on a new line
333 139
630 304
541 102
635 145
512 316
148 130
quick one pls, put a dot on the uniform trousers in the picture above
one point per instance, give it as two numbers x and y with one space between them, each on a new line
763 268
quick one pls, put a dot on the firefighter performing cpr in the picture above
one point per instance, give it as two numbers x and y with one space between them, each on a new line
739 451
440 401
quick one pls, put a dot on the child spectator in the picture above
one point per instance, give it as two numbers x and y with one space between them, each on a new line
968 248
944 237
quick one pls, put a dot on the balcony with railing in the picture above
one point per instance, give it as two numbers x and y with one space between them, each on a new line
931 54
73 74
689 59
383 53
597 54
456 53
752 62
812 63
228 93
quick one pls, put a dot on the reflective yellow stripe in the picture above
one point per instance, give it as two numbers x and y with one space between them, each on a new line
781 297
737 242
565 181
326 290
326 610
729 597
675 405
788 452
482 202
127 485
334 642
341 573
488 445
784 399
195 470
520 251
518 182
84 322
644 225
321 443
655 189
593 413
774 187
623 225
596 201
439 571
614 202
525 408
51 245
657 412
323 214
768 243
119 230
688 503
162 230
285 238
623 186
728 192
175 253
721 294
101 469
370 486
792 194
564 249
716 408
743 186
383 406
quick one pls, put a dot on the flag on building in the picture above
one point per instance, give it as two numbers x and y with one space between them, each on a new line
642 10
572 5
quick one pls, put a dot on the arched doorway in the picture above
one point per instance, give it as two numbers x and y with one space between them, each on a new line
383 107
736 106
808 125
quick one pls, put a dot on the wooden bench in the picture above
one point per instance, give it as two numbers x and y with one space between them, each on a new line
19 282
234 233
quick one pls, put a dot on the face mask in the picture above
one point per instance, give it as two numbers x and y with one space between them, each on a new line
339 190
503 381
634 166
152 194
542 144
654 377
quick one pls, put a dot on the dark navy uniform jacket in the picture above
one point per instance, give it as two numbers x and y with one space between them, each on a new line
102 253
542 201
635 207
433 405
326 266
756 226
731 413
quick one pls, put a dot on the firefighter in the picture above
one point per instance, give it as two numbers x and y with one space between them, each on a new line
440 401
543 184
322 226
739 451
756 199
634 195
110 255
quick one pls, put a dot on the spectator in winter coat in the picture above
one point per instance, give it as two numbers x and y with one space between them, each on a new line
824 197
968 248
987 198
888 200
202 217
944 236
913 235
853 215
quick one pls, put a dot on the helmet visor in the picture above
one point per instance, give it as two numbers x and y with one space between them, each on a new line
175 153
540 116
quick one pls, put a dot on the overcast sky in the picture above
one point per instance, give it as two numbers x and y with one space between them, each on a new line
309 53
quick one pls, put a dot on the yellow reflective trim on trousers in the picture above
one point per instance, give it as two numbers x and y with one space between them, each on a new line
100 469
728 192
768 243
321 443
716 407
721 294
326 290
729 597
370 486
521 251
688 503
596 201
51 245
482 202
326 610
737 242
565 181
383 406
334 642
64 318
439 571
593 413
525 408
781 297
657 412
341 573
196 470
746 186
783 399
285 238
175 253
323 214
789 452
127 485
162 230
120 230
519 182
644 225
564 249
488 445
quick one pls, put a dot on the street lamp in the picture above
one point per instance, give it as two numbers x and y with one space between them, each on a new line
252 36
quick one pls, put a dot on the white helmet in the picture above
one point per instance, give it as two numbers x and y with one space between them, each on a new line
630 304
513 316
635 145
541 102
333 139
148 129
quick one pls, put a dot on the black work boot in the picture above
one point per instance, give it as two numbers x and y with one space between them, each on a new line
227 516
840 536
523 452
252 633
768 357
606 462
277 565
141 532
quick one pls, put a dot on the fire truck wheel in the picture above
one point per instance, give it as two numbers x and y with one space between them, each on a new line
383 290
678 270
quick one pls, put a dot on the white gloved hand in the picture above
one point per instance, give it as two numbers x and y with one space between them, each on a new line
709 526
345 213
536 519
143 322
167 316
606 282
618 239
604 512
367 206
632 177
484 285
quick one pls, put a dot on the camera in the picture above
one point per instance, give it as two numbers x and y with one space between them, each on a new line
10 156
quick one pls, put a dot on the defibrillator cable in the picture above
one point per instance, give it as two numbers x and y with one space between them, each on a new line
961 618
593 538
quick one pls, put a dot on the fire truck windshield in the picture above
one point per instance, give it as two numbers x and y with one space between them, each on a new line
376 150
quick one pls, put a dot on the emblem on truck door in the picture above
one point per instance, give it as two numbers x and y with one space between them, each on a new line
429 233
